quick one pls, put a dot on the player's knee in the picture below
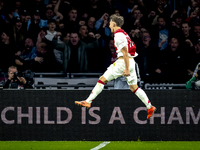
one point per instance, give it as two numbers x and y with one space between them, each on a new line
103 79
133 88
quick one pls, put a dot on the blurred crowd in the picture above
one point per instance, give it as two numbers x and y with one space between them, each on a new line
74 36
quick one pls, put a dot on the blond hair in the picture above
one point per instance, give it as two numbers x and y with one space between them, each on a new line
12 67
119 20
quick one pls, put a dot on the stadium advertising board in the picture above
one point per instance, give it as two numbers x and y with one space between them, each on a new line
114 115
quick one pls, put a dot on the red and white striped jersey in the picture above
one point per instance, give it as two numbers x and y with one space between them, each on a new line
121 39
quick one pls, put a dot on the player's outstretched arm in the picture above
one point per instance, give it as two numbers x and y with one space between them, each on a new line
126 61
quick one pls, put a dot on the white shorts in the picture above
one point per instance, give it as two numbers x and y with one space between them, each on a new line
116 69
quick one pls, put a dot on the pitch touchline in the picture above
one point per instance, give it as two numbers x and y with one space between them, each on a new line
100 146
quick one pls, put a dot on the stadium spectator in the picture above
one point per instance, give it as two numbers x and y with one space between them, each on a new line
28 17
65 37
128 6
136 35
194 16
104 30
110 54
7 16
93 7
47 61
24 58
62 7
61 27
197 30
15 81
147 58
58 15
91 23
38 5
160 32
152 16
34 25
49 36
2 8
188 38
134 19
41 36
175 30
112 7
71 21
102 25
18 34
7 50
85 36
163 8
75 53
193 57
83 31
52 4
172 63
49 14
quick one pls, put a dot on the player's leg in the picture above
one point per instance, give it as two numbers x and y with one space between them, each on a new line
132 82
97 89
141 95
107 76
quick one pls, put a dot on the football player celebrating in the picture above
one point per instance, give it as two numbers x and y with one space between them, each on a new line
124 65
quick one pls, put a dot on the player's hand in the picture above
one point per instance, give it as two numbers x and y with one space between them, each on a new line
126 73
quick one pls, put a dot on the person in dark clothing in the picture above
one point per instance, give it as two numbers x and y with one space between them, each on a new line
18 33
175 31
75 53
24 57
34 28
160 32
110 54
48 61
71 21
15 81
147 58
172 63
7 50
193 57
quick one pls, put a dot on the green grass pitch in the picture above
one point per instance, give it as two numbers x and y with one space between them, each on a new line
87 145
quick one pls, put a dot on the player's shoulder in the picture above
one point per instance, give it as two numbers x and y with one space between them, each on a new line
120 34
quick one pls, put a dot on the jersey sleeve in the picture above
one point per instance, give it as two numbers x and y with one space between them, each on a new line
120 41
